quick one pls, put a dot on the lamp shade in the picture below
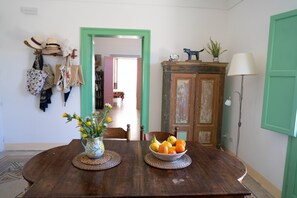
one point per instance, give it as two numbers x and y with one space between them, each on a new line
242 64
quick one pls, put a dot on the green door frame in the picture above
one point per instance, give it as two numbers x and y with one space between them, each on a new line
87 54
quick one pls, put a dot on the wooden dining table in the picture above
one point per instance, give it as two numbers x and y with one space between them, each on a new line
212 173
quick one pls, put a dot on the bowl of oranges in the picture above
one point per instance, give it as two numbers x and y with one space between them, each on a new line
169 150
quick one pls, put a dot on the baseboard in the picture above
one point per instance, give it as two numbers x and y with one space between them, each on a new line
30 146
266 184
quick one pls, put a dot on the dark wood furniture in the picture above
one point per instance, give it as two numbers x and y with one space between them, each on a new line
160 135
213 173
119 94
99 89
117 133
192 100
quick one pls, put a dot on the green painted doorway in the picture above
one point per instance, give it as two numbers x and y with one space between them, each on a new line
87 62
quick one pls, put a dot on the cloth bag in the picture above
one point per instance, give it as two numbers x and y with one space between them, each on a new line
35 80
67 76
46 92
36 76
49 81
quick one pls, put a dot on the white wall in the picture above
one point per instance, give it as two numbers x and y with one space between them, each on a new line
243 28
172 29
248 30
117 46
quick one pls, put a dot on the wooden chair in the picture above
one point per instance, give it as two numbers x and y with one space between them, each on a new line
117 133
160 135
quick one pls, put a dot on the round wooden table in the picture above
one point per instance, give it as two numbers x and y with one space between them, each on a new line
212 173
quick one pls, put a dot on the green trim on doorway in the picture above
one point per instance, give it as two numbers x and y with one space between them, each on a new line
87 52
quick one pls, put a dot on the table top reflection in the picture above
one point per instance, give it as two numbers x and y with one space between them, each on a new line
212 173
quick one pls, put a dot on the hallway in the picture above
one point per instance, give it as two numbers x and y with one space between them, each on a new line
124 110
123 113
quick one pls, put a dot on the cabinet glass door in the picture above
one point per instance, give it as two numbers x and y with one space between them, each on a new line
206 109
182 89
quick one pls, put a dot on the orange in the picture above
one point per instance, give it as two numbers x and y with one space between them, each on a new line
171 151
179 148
163 149
183 142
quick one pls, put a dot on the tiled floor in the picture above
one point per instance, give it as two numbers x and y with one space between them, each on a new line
256 188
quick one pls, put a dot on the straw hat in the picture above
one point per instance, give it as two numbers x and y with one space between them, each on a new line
34 42
66 48
52 46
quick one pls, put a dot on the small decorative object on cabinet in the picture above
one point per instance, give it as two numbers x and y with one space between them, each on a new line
214 48
99 89
192 53
193 100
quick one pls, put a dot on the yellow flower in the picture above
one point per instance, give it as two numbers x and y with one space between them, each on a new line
93 125
108 119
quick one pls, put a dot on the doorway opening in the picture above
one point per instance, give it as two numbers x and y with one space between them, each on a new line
125 110
125 80
87 61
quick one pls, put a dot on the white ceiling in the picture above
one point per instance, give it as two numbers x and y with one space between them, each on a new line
202 4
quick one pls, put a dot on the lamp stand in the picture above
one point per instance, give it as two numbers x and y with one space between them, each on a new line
239 117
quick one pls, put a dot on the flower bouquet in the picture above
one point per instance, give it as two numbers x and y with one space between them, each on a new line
92 126
92 129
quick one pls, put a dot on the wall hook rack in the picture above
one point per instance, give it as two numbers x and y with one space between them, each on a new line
72 55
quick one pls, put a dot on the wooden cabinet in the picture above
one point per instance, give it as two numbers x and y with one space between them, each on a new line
192 100
99 89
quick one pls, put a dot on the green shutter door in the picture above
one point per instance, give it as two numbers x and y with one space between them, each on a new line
279 106
290 177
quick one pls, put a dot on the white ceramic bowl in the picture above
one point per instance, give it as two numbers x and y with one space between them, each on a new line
167 157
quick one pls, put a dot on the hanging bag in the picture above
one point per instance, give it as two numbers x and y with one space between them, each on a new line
63 76
35 77
35 80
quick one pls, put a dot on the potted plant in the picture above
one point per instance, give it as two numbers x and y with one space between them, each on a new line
214 48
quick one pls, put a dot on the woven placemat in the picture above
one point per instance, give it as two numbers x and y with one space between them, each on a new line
103 159
115 159
180 163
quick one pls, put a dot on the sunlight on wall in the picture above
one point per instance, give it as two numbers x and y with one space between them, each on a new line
127 73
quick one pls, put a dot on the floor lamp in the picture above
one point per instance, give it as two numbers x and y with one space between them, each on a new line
242 64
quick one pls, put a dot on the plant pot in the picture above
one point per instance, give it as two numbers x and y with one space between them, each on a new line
94 148
216 59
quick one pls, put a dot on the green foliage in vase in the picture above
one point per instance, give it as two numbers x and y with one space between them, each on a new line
214 48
